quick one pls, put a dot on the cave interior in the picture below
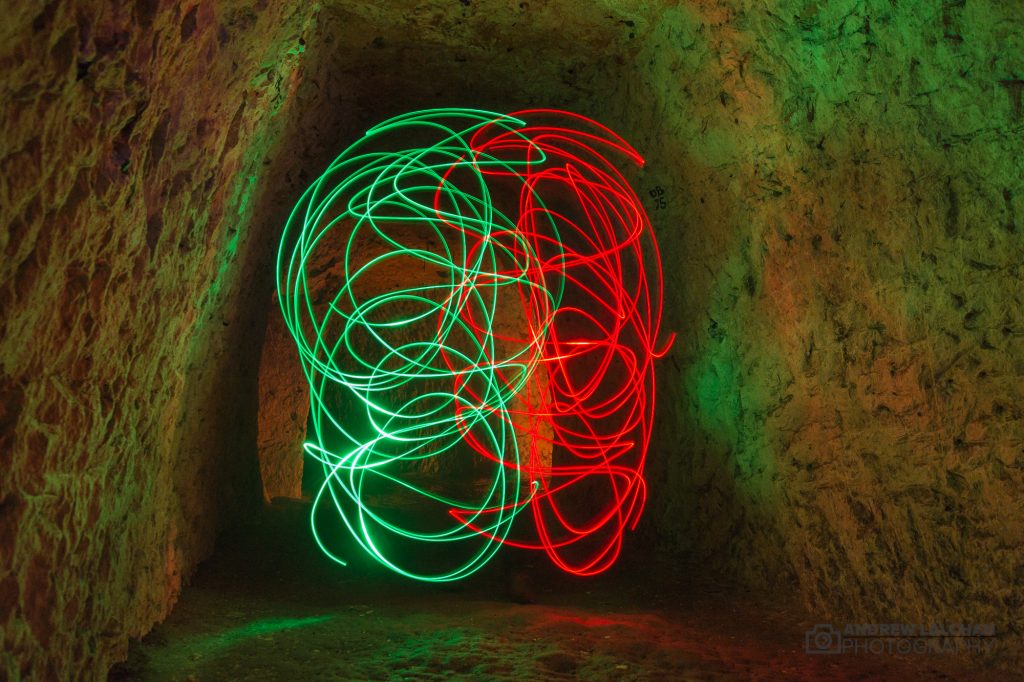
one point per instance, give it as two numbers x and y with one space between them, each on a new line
838 438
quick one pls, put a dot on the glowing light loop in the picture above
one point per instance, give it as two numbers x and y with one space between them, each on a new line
481 359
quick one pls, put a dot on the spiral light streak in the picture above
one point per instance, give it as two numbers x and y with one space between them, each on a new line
494 325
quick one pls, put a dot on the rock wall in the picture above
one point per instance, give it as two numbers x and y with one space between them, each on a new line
282 411
843 187
134 137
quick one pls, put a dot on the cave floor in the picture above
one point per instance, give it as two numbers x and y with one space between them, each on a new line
269 606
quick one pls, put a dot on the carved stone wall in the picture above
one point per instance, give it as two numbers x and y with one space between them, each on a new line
134 138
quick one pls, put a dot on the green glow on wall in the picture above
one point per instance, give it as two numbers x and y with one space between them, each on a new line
381 191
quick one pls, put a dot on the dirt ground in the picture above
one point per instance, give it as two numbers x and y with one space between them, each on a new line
269 606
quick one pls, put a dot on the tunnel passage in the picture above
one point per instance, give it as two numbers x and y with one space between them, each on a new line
398 70
836 188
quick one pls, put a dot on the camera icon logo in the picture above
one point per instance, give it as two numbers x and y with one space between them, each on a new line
823 639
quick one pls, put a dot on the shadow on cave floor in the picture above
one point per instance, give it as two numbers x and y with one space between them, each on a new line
270 606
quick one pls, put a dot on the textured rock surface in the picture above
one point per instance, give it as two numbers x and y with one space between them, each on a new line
133 136
837 188
842 411
282 410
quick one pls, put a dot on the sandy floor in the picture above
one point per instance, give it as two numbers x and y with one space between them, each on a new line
268 606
